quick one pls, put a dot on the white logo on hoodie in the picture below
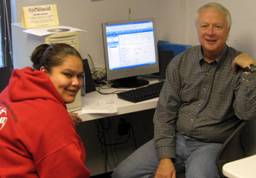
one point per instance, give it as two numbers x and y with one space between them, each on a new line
3 117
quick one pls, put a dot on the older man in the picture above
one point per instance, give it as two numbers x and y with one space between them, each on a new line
208 90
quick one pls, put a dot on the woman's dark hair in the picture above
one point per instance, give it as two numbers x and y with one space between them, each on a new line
51 55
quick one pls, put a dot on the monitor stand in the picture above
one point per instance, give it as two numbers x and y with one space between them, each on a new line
130 82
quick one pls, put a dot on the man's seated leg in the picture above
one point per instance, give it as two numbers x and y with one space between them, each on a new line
140 164
202 162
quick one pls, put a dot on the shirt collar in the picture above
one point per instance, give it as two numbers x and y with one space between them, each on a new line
217 60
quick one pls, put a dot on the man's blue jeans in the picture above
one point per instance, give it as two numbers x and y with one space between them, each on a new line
196 158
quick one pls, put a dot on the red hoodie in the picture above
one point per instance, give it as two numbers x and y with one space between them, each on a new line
37 135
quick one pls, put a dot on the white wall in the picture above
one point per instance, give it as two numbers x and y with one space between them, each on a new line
89 15
175 20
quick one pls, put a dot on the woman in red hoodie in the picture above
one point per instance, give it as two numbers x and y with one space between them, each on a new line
37 134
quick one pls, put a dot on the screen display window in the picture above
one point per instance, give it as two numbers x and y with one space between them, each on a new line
130 45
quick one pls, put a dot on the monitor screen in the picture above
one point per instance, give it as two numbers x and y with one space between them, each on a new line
130 51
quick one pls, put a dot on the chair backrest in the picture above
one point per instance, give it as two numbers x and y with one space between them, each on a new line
166 51
241 143
5 73
248 138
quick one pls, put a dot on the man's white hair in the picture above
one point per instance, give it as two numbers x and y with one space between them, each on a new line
218 7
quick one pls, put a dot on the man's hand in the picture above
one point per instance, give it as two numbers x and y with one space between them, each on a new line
242 60
165 169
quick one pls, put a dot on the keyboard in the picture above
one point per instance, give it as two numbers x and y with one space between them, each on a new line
142 93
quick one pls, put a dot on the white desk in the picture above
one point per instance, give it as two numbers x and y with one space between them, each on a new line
96 160
242 168
94 100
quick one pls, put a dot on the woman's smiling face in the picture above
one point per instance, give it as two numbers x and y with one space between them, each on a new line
67 77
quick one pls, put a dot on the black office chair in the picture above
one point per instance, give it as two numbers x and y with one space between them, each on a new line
5 75
241 143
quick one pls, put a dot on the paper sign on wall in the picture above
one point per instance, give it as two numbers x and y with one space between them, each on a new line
40 16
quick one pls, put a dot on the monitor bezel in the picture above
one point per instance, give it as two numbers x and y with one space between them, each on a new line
134 71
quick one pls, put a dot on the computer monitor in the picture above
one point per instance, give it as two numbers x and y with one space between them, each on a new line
130 51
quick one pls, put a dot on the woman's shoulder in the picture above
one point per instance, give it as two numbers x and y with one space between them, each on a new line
41 112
